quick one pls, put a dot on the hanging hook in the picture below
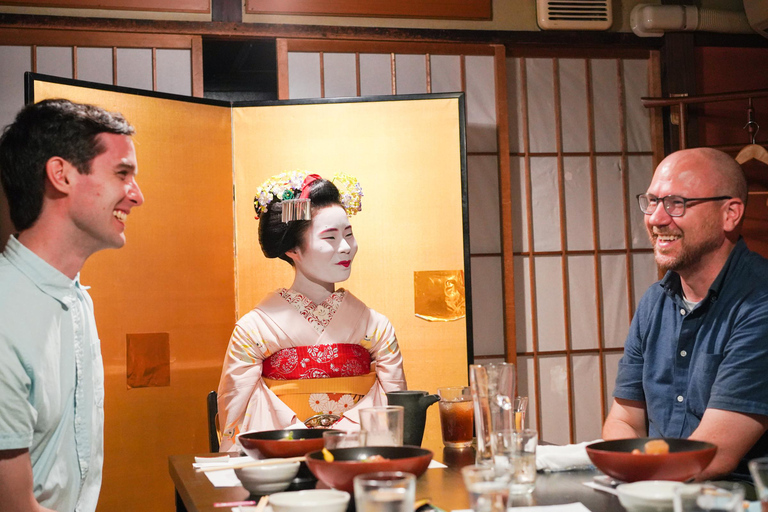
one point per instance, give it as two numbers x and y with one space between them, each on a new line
752 127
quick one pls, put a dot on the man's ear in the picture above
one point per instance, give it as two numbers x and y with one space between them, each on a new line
58 172
733 214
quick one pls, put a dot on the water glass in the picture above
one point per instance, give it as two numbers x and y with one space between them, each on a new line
488 487
340 439
759 470
456 416
493 393
383 426
708 497
521 405
516 450
393 491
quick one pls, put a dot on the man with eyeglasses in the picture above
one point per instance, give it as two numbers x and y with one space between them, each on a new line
695 361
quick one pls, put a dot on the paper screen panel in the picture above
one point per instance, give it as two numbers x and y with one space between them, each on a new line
644 273
615 308
375 74
573 105
407 157
550 313
553 374
134 68
588 419
55 60
541 105
515 105
519 201
640 174
483 177
610 208
174 71
581 302
546 204
304 68
411 74
605 94
481 103
526 386
523 309
175 275
445 71
487 297
578 203
638 118
339 74
94 64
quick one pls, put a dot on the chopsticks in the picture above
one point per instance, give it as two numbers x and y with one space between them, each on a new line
251 463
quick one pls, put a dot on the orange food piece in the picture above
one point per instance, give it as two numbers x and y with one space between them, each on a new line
636 451
656 447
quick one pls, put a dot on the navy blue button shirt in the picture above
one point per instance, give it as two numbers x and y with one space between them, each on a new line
681 363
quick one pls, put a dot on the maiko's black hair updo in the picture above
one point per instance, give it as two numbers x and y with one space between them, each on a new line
277 237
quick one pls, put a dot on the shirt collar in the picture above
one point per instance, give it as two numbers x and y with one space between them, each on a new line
671 280
49 280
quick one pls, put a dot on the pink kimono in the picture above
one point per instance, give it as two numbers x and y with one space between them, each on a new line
246 402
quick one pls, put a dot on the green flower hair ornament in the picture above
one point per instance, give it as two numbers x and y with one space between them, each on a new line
287 186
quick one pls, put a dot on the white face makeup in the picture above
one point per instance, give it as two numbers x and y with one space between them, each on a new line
329 247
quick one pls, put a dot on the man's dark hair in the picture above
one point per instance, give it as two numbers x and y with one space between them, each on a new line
44 130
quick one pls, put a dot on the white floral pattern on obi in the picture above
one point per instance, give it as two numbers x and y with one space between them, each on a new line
332 403
318 315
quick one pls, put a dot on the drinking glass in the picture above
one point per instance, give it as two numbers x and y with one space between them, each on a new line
516 451
339 439
708 497
759 470
392 491
383 426
488 487
493 393
456 416
521 404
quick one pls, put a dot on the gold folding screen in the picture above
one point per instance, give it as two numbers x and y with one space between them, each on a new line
192 263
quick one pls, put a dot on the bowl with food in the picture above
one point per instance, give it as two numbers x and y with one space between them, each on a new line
281 443
633 460
336 468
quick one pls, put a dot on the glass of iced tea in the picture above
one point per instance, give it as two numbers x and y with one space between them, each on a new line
456 416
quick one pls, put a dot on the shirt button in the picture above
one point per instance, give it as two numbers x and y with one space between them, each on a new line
679 398
683 353
682 311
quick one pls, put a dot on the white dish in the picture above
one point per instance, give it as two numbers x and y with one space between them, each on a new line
327 500
267 479
648 496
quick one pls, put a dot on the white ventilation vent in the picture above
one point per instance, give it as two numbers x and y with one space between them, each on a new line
574 14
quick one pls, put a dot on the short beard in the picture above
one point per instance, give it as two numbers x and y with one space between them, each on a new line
689 256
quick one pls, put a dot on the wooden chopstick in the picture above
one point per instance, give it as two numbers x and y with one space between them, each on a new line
262 504
250 463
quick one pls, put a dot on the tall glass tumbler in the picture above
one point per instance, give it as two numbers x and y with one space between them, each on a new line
493 392
759 470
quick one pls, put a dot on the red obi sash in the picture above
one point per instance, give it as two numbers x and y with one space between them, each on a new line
318 362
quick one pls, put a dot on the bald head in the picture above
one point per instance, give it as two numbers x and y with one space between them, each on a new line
716 171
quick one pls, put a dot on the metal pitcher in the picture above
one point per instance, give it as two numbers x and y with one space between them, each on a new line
415 404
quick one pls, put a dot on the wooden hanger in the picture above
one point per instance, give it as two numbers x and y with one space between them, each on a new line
752 151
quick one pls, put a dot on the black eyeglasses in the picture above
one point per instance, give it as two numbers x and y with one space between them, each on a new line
674 205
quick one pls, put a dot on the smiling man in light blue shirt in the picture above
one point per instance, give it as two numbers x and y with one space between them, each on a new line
69 174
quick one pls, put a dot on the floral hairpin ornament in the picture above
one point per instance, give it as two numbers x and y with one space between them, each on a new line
292 189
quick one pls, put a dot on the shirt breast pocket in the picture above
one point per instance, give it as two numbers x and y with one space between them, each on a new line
701 377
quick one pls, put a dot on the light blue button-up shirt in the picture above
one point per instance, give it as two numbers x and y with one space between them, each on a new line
51 379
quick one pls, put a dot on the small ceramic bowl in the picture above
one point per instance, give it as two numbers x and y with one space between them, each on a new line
267 479
648 496
327 500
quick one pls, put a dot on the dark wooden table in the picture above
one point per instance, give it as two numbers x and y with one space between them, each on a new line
195 493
